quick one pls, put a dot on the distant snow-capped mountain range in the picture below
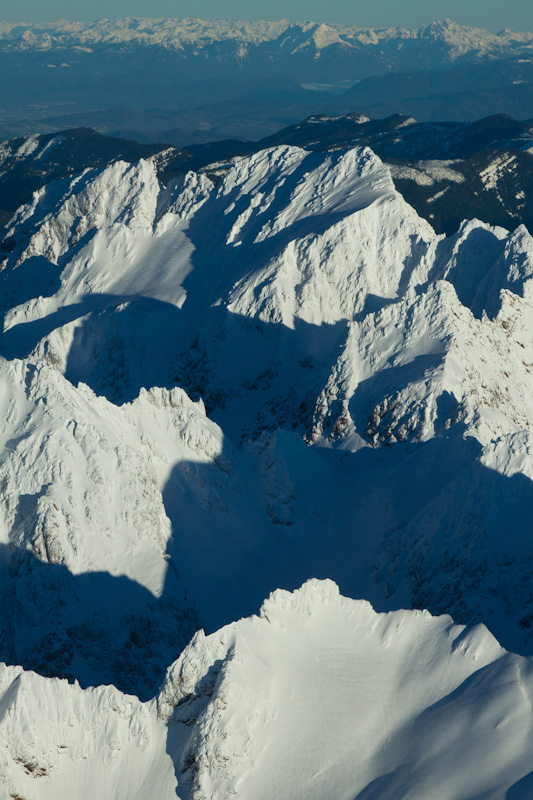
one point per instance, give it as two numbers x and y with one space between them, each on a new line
453 41
186 81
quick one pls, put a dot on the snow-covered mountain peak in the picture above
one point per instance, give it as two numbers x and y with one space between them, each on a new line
345 694
283 187
322 323
122 195
312 610
64 212
312 594
461 38
185 34
321 695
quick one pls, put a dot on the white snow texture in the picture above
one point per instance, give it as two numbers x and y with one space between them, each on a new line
318 696
209 392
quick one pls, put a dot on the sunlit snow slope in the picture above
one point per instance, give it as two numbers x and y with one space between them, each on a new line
368 393
321 697
317 697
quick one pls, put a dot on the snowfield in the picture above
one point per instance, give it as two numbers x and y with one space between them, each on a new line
210 392
318 696
304 303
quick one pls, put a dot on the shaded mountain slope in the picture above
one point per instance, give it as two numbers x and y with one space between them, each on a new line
342 349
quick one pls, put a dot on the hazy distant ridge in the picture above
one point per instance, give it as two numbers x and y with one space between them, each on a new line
287 36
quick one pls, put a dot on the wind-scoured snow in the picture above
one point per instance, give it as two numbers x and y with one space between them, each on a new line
306 303
209 392
318 696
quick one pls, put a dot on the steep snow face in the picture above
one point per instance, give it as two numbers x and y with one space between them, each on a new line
124 201
111 240
66 447
86 538
307 304
335 226
320 696
438 366
57 741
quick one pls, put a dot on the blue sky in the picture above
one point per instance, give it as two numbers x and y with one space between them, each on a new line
490 14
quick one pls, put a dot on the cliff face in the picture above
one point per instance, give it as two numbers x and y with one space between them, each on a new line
209 392
362 376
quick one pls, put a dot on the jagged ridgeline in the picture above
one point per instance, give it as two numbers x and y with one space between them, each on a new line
317 696
448 171
214 388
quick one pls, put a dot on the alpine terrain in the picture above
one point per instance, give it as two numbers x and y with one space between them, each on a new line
270 378
448 171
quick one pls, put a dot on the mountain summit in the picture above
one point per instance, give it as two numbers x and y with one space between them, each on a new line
341 349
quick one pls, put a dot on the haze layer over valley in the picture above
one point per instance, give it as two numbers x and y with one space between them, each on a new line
195 81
